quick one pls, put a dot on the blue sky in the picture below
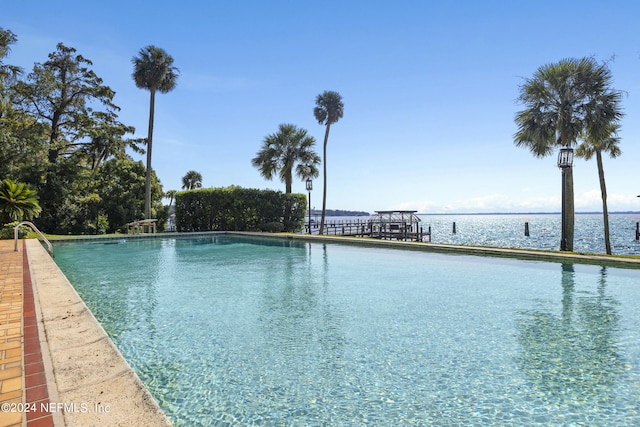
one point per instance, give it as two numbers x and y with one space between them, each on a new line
429 88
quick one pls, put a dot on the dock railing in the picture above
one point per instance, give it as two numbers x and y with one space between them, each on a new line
360 228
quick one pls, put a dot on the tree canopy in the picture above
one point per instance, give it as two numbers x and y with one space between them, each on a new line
192 180
60 137
289 149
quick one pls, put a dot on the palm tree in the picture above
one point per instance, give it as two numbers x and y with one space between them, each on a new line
561 101
7 38
597 144
171 194
192 180
7 72
282 150
328 110
153 70
107 140
17 202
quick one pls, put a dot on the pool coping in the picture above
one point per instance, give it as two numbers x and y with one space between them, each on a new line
524 254
89 380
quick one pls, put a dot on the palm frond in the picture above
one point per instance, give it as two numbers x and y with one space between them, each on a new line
329 108
283 150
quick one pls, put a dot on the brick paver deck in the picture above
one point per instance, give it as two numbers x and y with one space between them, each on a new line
23 387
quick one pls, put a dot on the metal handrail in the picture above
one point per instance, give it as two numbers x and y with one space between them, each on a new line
35 229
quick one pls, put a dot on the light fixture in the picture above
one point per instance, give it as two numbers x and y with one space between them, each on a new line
565 157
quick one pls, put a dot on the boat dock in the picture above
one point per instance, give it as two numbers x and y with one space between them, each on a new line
386 225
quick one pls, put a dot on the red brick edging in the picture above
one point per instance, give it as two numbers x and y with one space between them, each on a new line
35 382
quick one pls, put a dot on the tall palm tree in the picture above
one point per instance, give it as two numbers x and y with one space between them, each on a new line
17 202
153 70
595 143
284 149
561 100
328 110
192 180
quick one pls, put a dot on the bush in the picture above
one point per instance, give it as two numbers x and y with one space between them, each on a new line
273 227
239 209
8 230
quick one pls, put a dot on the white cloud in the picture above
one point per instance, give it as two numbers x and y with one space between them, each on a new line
591 200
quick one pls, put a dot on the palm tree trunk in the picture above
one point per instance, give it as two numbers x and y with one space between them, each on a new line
288 181
147 193
324 187
605 211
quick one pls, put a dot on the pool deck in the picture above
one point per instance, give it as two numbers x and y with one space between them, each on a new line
58 367
55 355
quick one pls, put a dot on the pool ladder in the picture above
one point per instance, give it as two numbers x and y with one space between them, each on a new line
35 229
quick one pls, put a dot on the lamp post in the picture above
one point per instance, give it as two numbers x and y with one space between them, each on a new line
309 188
565 161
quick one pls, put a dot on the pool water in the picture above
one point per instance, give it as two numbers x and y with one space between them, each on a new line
228 330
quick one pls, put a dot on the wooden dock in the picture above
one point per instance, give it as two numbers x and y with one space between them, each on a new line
387 225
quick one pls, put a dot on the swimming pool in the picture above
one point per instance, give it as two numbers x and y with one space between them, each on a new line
228 330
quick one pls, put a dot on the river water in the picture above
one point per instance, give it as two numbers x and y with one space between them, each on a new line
508 231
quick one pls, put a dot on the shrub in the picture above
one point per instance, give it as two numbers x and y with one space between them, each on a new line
239 209
273 227
7 231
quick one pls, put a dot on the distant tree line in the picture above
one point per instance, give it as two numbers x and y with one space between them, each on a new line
339 212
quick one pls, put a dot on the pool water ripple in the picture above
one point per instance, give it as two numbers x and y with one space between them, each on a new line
236 331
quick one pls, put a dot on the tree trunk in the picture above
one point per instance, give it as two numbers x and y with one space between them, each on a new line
147 193
54 151
605 211
324 187
288 182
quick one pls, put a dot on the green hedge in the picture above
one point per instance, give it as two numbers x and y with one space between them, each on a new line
239 209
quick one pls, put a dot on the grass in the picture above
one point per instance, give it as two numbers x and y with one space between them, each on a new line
33 235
